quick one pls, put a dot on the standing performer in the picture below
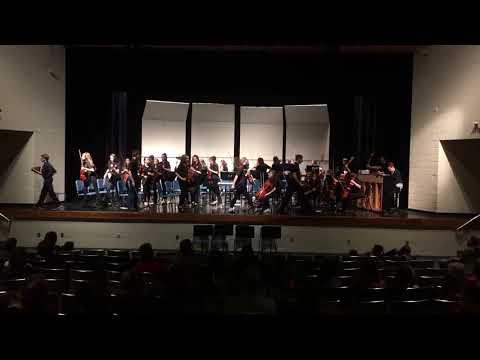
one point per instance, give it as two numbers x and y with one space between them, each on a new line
88 173
261 171
135 168
149 174
213 178
111 177
182 174
240 183
195 179
167 174
224 165
46 171
127 178
294 184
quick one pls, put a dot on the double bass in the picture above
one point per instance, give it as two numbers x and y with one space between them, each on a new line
83 173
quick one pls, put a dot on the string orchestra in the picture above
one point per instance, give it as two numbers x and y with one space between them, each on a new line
261 189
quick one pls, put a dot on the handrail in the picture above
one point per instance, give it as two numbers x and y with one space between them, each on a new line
468 222
5 218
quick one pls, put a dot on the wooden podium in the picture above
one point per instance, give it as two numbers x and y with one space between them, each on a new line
372 187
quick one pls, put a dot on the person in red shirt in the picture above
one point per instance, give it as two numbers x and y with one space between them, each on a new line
147 261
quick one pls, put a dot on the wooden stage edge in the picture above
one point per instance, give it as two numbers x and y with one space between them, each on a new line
433 223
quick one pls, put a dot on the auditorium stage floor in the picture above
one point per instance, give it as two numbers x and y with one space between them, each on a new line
360 218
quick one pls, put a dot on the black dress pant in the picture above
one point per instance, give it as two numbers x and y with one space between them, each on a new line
183 192
215 190
292 189
47 188
239 191
150 185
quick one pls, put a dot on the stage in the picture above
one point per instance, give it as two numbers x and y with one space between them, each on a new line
408 219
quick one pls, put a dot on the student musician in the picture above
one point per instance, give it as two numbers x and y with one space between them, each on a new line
397 185
213 178
158 174
195 179
167 174
260 171
127 178
149 174
112 176
351 192
135 168
224 166
240 183
294 184
46 171
182 175
88 173
267 191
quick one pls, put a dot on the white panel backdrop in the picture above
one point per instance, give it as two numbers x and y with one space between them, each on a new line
163 128
213 131
261 133
308 133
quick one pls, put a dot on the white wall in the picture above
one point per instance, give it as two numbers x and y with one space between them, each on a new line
294 239
213 131
308 133
446 86
163 129
32 101
261 133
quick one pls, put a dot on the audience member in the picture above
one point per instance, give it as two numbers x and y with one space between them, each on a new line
455 281
368 276
353 252
404 277
147 261
47 247
35 295
377 250
68 246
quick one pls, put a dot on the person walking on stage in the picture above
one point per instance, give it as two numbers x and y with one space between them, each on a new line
46 171
294 185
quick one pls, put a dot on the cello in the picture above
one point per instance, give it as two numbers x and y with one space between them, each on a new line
267 187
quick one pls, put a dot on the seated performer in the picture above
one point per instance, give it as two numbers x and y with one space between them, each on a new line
149 174
240 183
88 173
351 192
46 171
397 185
294 185
182 175
213 178
267 191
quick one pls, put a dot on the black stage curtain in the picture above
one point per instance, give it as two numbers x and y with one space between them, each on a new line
117 134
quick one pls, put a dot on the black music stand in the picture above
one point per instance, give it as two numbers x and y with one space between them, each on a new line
201 236
243 236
